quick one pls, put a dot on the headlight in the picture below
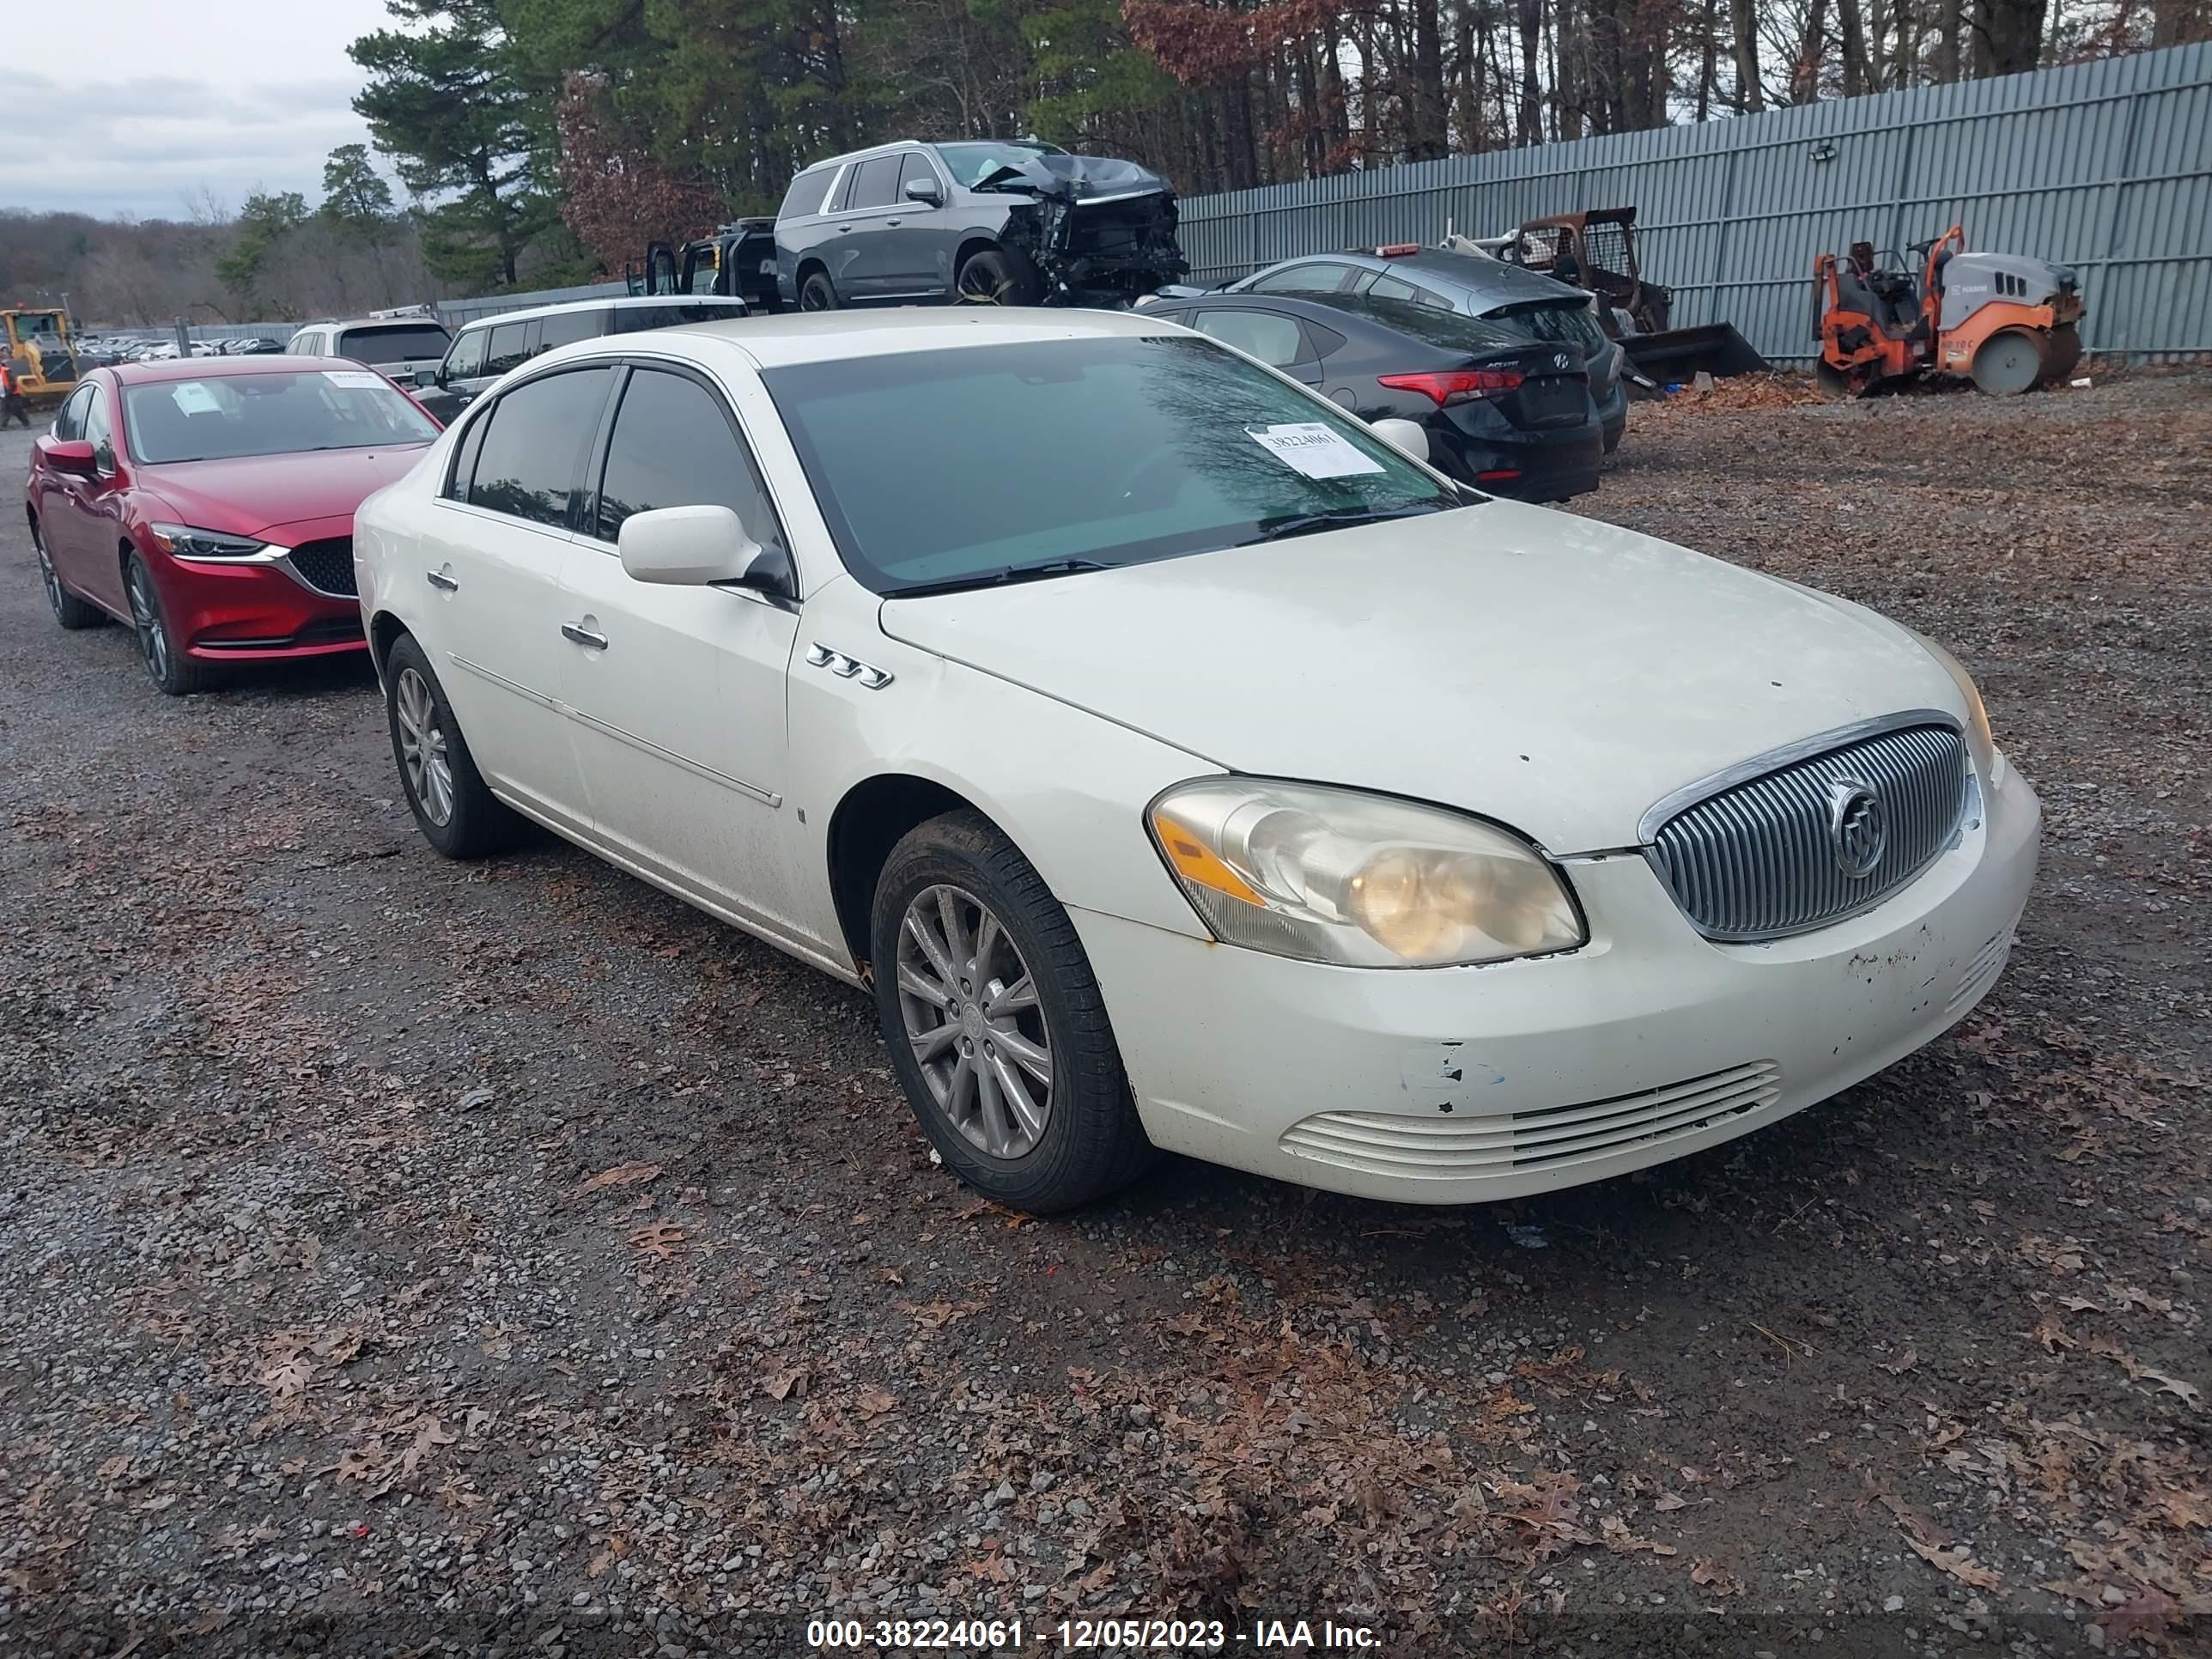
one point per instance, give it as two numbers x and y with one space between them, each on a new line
1333 875
1980 742
183 542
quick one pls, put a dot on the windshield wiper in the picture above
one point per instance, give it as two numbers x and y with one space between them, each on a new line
1004 576
1335 518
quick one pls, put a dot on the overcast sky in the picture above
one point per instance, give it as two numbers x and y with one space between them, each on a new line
136 106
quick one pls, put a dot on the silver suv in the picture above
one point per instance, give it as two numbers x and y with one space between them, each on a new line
996 221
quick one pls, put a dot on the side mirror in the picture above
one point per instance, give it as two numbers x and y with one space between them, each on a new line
924 190
1407 437
72 455
697 547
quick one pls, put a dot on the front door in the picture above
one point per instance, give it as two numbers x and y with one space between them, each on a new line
861 260
58 498
676 693
492 625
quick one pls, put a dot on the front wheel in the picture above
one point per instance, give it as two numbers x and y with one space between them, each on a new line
453 807
2008 363
998 276
997 1029
167 665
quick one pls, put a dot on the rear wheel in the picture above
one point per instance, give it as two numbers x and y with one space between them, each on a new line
167 665
454 809
997 1029
69 611
2008 363
999 276
818 292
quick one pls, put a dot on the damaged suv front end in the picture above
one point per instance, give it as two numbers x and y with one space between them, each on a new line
996 221
1100 231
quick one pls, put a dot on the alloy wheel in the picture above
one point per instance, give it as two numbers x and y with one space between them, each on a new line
422 748
146 618
972 1017
51 577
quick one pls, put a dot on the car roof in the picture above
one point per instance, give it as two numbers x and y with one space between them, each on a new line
780 341
888 147
203 369
1489 281
614 301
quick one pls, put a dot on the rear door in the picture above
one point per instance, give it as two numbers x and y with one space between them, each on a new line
680 705
862 260
493 620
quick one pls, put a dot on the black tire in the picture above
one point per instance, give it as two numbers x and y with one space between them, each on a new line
477 822
998 276
817 293
167 665
1092 1142
69 611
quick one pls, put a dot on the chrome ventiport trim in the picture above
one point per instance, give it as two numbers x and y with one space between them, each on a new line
819 655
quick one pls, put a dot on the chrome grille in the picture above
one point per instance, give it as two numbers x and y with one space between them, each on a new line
1757 858
327 565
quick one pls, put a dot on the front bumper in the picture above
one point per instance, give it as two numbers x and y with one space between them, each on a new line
252 613
1455 1085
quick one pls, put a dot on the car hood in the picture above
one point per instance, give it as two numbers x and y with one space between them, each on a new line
1076 178
246 496
1551 672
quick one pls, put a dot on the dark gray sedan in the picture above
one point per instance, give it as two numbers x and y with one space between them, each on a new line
1536 307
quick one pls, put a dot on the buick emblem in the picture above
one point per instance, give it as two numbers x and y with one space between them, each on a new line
1858 827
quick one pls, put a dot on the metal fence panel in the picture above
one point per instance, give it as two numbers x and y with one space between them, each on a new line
2106 167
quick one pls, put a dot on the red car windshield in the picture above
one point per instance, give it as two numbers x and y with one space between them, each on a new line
227 416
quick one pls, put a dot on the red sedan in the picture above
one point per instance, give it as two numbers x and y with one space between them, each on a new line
209 504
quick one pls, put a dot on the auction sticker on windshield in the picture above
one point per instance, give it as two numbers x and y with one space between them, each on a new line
1313 449
353 380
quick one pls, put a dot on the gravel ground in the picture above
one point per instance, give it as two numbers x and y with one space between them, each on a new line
397 1256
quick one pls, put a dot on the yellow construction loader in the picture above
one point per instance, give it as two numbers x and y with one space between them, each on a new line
38 354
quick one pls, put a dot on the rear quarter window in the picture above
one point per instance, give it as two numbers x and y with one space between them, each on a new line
805 194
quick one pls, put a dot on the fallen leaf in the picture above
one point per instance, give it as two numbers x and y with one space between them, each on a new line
1957 1564
622 1175
359 1464
1905 1363
287 1380
782 1384
659 1241
2188 1393
1709 1572
872 1401
1667 1500
2149 1611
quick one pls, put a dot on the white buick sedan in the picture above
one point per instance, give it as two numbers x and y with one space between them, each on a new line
1181 764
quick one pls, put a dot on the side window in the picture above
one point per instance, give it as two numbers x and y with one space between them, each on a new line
527 465
878 183
1274 340
805 194
914 165
100 431
1396 287
510 345
467 360
675 446
1322 342
1315 276
69 423
566 327
464 458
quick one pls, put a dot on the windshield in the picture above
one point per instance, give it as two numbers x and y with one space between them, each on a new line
973 163
392 345
1562 322
226 416
936 467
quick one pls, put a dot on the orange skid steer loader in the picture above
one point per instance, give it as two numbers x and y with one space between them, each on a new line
2006 321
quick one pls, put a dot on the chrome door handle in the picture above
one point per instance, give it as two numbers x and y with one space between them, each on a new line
583 636
440 578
